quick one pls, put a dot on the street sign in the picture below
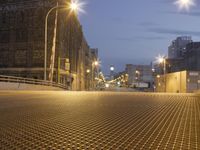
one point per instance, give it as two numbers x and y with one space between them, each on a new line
67 65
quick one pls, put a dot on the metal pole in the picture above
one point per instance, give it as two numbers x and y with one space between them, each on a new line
46 38
59 69
165 74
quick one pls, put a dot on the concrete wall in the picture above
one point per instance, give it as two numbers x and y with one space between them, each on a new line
176 82
22 86
179 82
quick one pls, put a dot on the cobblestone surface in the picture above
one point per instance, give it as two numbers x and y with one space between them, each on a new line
60 120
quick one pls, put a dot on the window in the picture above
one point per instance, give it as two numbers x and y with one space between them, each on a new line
4 36
3 18
20 57
22 17
38 56
4 57
21 35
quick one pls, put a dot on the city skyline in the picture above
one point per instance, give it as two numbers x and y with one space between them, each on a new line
97 74
120 34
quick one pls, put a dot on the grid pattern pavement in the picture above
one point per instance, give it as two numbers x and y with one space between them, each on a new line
107 120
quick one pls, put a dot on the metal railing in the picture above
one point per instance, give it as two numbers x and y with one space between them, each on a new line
13 79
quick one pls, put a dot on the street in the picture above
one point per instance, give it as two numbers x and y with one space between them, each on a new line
99 120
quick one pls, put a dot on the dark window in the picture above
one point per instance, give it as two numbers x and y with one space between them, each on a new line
22 17
38 56
21 35
3 18
3 58
21 57
38 34
4 36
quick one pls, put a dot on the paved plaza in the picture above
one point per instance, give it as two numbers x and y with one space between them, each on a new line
99 120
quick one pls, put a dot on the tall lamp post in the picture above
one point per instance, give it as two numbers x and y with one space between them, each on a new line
87 76
162 60
96 64
112 69
73 6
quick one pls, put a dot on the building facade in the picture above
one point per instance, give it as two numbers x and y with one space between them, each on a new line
178 82
22 26
192 56
139 74
190 61
177 48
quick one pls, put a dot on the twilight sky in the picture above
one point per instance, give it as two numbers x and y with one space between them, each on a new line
136 31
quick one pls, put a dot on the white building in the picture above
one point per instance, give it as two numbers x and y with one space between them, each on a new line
139 74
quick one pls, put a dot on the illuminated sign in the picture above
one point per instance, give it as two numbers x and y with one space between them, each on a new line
193 74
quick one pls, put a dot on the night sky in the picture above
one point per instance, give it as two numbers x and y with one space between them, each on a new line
136 31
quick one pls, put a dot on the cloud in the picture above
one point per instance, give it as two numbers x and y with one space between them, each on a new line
141 38
193 13
146 24
174 31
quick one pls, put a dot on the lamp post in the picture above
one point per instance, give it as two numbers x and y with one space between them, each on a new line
162 60
87 79
137 72
96 64
73 6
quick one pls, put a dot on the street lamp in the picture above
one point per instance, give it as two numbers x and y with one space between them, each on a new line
73 6
162 60
112 68
184 4
96 63
88 71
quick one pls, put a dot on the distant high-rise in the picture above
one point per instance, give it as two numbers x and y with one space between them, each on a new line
192 57
177 49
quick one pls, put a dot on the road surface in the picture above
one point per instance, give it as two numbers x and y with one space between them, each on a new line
99 120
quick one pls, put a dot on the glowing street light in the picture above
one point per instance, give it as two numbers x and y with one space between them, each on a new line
162 60
74 6
107 85
112 68
158 76
185 4
96 63
88 71
137 72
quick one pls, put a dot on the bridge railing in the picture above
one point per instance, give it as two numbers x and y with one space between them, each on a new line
13 79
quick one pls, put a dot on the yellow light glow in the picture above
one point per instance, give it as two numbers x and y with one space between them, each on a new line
88 70
112 68
107 85
96 63
160 59
185 4
137 72
76 6
158 76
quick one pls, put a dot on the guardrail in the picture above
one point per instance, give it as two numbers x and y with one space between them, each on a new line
13 79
